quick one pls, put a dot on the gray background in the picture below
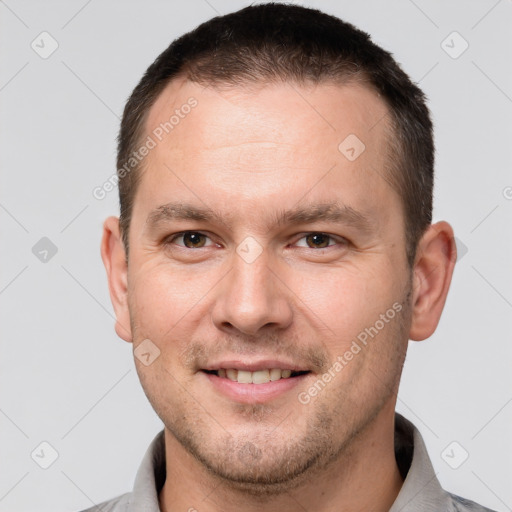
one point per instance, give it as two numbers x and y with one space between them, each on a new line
65 377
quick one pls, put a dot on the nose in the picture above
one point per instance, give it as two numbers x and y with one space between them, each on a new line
252 298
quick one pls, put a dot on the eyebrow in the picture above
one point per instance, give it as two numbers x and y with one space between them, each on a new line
181 211
334 212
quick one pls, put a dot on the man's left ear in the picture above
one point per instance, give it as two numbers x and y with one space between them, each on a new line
433 269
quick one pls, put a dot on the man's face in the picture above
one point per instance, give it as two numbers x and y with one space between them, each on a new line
258 245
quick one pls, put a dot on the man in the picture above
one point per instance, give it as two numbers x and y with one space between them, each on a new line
273 256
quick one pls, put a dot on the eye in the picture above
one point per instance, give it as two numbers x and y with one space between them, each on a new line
318 241
190 239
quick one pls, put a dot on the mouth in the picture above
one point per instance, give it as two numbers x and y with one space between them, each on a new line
256 377
254 383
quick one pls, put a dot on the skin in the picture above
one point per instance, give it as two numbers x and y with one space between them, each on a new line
250 153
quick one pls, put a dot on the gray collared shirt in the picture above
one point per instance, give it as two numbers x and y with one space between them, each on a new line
420 492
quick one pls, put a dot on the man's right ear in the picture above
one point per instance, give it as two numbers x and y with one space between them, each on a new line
114 259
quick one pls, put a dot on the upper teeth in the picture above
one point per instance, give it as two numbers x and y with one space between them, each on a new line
259 377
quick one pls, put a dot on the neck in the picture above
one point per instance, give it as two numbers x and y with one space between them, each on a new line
364 477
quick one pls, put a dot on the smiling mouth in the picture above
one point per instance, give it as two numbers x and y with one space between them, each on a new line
257 377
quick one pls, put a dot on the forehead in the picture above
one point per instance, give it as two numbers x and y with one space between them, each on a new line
324 113
257 142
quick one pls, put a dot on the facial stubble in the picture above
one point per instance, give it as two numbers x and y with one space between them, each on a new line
268 461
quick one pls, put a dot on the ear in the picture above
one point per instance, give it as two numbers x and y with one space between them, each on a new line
114 259
433 270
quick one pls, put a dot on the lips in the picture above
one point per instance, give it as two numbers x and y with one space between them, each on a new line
252 381
255 381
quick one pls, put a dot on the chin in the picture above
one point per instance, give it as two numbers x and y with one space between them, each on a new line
263 462
251 472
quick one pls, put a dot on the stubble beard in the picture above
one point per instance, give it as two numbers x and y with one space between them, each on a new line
266 464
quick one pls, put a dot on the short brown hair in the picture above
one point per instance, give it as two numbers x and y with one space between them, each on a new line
274 42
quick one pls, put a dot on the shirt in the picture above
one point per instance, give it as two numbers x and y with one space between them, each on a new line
420 492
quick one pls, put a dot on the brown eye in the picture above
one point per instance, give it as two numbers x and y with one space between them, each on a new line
317 240
192 239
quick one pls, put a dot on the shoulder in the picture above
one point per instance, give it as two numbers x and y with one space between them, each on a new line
463 505
117 504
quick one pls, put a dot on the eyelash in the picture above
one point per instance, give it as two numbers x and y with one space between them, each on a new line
339 240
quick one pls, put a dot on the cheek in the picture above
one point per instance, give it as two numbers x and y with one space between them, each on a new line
164 300
345 301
